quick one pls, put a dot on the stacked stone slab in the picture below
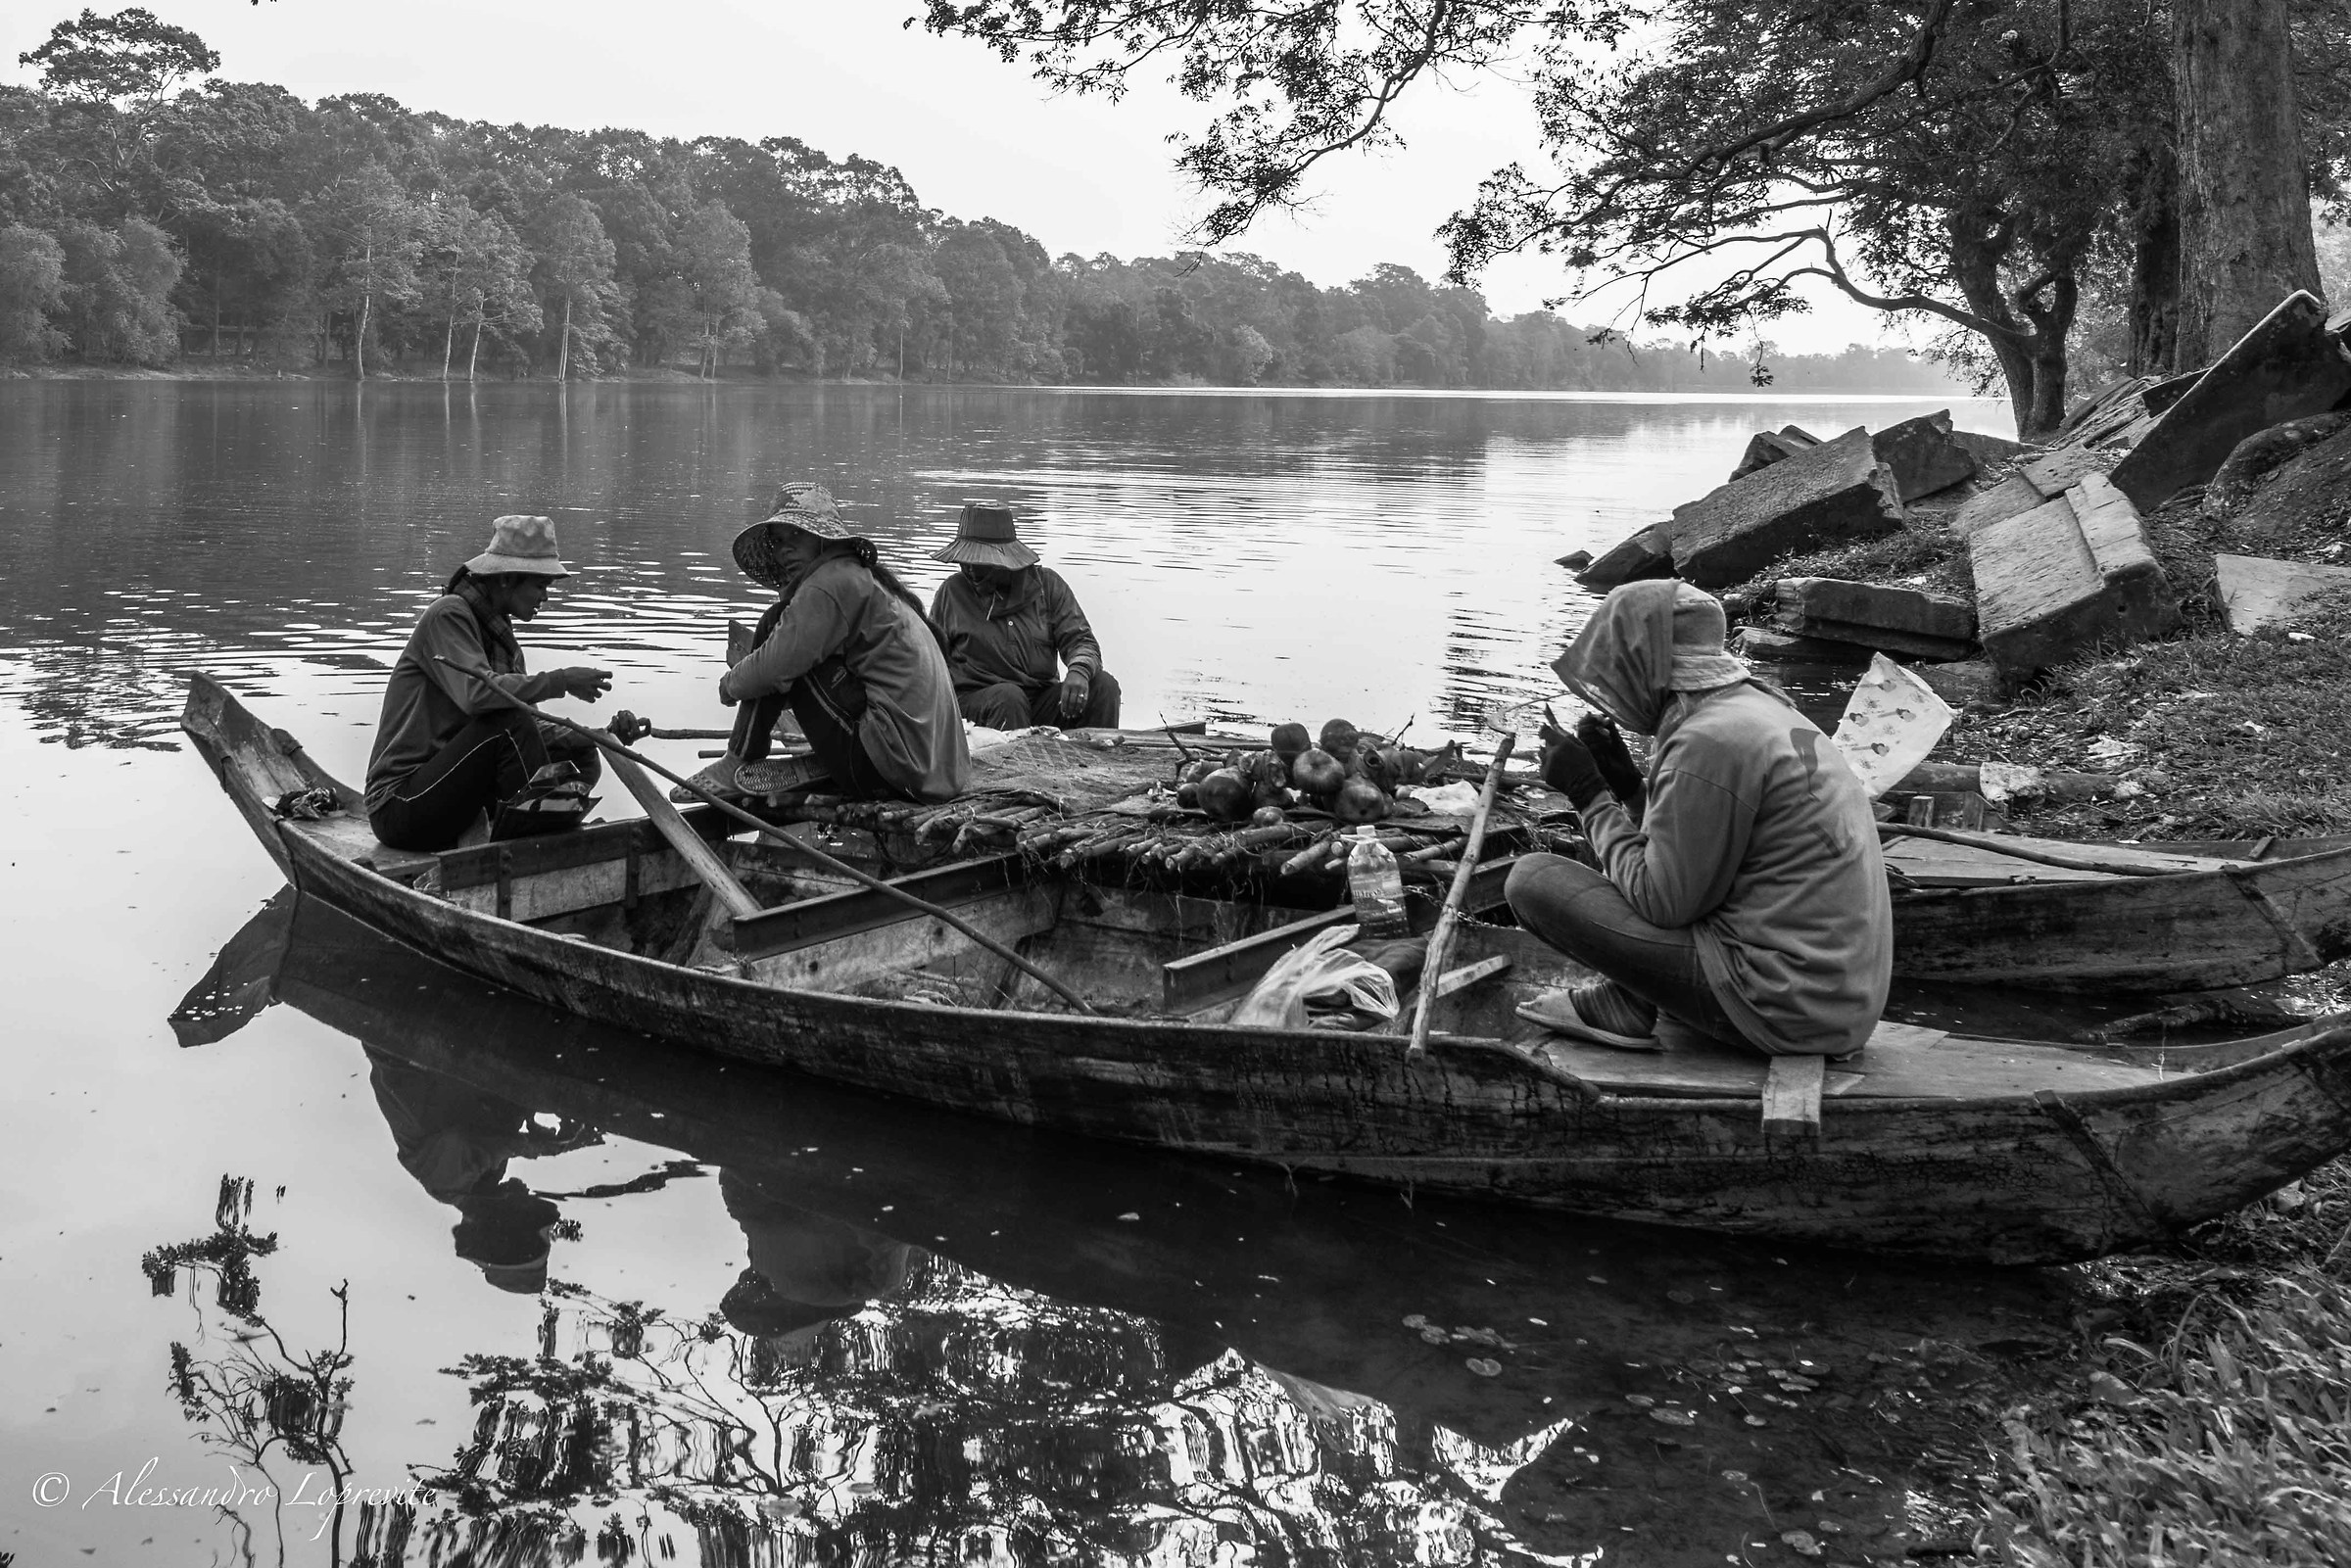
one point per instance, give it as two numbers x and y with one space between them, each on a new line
2287 368
1925 453
1925 457
2259 595
1885 619
2056 580
1827 494
1767 447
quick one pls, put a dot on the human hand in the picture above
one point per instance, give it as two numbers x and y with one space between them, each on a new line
1075 688
725 698
1568 768
1614 759
585 683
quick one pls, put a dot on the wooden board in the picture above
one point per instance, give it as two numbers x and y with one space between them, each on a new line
1935 863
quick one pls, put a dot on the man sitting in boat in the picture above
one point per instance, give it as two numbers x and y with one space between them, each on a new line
450 743
1010 624
1751 902
845 647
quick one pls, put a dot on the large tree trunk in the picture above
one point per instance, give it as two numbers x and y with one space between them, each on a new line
358 340
2244 204
475 358
563 353
2154 310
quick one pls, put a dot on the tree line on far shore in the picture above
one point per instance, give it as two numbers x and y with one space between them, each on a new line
151 213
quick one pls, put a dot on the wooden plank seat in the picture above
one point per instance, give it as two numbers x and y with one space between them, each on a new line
560 873
814 921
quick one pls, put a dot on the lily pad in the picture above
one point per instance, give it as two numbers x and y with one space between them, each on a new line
1483 1367
1671 1416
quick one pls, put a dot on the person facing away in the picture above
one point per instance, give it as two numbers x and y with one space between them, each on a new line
450 743
1751 901
1011 625
846 649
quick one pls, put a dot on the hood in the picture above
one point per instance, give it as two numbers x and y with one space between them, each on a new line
1647 641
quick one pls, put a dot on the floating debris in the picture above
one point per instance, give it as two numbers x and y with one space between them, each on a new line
1483 1367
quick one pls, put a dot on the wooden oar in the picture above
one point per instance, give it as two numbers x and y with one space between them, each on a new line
1440 941
2088 860
611 746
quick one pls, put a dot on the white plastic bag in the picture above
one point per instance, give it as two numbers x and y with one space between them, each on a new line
1323 972
1892 723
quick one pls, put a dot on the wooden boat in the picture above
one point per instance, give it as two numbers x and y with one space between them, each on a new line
2058 916
1925 1143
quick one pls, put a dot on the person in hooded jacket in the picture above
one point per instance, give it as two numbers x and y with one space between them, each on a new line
1750 902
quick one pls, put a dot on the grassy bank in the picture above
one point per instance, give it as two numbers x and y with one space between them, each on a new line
2204 1415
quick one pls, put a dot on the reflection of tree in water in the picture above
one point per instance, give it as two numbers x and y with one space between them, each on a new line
253 1395
955 1419
99 697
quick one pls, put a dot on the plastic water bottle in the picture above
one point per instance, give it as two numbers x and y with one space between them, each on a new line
1378 885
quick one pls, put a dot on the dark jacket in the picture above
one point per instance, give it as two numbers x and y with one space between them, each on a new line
1016 637
426 702
910 729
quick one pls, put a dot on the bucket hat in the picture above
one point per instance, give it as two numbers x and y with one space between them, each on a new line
988 535
519 544
801 505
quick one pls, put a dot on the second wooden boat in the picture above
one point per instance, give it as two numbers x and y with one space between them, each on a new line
2117 917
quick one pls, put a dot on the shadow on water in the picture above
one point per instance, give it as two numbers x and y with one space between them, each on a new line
960 1341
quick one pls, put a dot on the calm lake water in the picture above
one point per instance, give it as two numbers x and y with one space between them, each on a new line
995 1348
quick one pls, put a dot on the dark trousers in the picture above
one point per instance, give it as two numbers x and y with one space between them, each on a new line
827 704
1581 912
1008 706
489 760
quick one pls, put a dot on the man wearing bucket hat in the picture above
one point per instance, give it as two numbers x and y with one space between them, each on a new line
845 647
451 744
1750 903
1011 626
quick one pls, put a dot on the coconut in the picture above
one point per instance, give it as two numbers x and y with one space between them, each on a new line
1187 796
1383 767
1315 772
1196 770
1339 739
1289 740
1227 796
1265 768
1267 817
1360 800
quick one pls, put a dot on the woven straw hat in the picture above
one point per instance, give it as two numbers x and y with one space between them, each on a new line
519 544
988 535
801 505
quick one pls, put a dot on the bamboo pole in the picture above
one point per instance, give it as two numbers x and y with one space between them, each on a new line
1440 941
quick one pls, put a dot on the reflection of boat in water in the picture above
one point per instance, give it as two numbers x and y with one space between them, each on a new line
1929 1142
992 1337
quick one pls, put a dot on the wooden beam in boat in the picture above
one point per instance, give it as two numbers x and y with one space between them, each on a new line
769 932
1792 1096
479 865
1469 974
735 898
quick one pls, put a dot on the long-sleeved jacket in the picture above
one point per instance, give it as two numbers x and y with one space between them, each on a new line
1759 839
1017 637
427 701
912 729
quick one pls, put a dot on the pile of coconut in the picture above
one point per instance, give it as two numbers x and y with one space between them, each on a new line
1351 773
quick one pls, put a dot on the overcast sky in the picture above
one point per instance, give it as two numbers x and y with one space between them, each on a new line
975 137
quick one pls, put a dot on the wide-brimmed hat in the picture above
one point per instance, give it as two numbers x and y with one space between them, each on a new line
519 544
801 505
988 535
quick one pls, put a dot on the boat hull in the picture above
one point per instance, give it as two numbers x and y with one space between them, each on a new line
2191 932
2021 1178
